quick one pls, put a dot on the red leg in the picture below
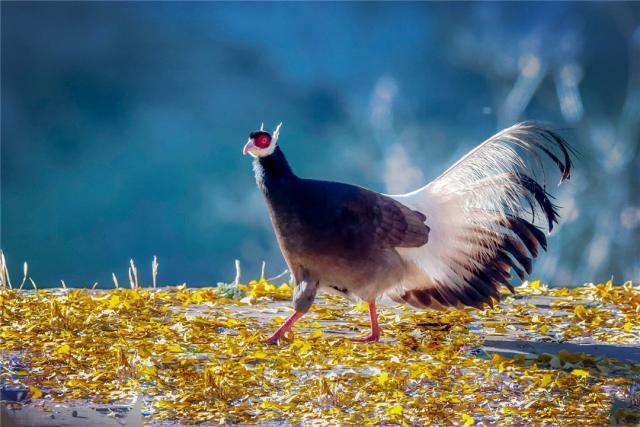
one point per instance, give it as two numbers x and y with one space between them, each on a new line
375 331
286 326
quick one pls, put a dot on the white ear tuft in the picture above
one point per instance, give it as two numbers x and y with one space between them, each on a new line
276 133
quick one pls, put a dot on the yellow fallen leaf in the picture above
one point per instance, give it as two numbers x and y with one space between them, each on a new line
231 322
580 373
581 312
174 348
395 411
317 333
304 347
98 377
259 354
35 392
383 378
468 420
363 306
114 301
149 371
497 358
63 349
546 380
609 285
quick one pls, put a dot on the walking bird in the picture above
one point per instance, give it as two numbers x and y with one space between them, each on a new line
452 243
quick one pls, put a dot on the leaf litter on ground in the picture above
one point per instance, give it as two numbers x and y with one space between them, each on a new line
195 356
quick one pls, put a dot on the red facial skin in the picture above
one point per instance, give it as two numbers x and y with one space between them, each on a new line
262 141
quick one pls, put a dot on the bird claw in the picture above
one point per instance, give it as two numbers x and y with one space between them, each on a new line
368 338
275 338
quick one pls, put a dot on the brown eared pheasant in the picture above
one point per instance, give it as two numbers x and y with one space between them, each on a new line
452 243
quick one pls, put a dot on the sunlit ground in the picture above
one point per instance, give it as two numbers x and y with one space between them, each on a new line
194 356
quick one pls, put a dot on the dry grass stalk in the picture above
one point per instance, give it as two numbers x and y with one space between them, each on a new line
56 311
115 280
264 266
133 275
215 387
237 279
131 283
64 285
25 274
5 280
33 284
271 279
154 270
59 317
328 393
124 362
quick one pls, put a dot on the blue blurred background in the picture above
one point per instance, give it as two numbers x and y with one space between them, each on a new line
123 123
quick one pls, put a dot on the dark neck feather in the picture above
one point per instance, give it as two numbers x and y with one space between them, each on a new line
272 168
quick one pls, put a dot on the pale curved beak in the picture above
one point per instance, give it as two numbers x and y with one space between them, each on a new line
247 147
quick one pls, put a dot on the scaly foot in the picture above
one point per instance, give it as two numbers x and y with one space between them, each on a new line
272 340
277 337
368 338
374 336
284 330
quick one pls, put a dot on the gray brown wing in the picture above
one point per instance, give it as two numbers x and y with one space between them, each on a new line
383 222
395 225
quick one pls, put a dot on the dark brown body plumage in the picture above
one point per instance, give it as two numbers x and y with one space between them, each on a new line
337 236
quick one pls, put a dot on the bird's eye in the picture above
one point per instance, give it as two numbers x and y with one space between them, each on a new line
262 141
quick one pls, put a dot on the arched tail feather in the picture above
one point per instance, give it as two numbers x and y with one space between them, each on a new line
480 229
